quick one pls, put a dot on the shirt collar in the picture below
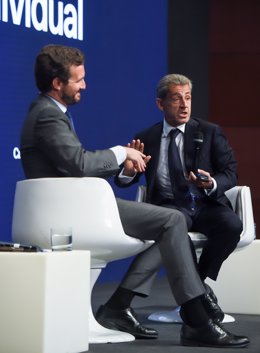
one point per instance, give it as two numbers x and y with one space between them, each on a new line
167 128
62 107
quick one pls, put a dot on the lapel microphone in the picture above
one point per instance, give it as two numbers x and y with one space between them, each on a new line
198 141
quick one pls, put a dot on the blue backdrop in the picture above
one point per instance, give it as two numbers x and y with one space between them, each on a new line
125 43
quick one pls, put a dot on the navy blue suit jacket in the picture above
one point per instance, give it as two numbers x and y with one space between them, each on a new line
216 156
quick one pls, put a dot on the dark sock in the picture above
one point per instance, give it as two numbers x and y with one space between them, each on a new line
121 299
193 312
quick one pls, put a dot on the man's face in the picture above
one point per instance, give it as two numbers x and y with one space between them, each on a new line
176 105
70 93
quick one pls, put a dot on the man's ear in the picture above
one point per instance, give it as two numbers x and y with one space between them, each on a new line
56 84
159 103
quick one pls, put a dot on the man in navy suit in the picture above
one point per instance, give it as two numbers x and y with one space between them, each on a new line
50 147
207 169
208 166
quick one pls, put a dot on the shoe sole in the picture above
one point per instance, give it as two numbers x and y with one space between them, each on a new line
112 326
185 342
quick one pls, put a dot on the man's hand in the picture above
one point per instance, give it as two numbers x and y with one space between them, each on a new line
136 160
201 183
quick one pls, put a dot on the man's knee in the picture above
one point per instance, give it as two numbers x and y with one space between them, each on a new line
176 219
237 232
235 229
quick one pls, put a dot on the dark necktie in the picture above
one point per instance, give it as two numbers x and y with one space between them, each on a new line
179 184
185 194
70 119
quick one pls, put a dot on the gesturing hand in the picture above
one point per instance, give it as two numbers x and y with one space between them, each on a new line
136 160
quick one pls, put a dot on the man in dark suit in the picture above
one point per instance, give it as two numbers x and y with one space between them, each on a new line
50 148
194 183
208 170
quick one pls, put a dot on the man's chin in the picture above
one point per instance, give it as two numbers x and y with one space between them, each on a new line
77 98
182 120
74 101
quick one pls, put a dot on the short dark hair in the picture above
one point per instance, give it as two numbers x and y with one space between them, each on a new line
55 61
171 80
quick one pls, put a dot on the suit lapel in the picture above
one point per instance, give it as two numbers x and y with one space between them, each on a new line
189 145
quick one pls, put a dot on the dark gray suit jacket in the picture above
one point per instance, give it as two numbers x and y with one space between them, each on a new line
51 148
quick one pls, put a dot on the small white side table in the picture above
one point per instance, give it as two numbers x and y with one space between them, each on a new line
44 302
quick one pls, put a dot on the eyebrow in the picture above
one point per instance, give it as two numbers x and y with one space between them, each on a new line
179 94
75 81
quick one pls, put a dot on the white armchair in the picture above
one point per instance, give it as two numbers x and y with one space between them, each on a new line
240 198
88 206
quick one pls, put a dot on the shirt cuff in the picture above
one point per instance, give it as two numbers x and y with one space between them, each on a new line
120 153
124 179
210 191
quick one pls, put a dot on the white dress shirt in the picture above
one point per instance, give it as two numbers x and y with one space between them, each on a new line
163 177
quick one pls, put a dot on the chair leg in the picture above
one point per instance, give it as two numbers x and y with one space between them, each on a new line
173 317
98 333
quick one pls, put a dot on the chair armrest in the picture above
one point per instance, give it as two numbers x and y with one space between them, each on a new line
240 198
141 193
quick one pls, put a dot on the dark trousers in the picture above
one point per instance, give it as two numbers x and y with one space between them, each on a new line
222 227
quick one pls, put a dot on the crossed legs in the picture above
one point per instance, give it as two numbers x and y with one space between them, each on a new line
172 248
168 228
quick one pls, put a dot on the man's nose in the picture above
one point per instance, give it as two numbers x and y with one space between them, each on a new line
83 84
183 102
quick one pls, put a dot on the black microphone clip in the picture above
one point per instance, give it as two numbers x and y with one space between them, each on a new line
198 141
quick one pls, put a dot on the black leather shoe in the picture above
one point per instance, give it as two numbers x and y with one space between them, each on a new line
124 320
212 308
211 335
209 291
